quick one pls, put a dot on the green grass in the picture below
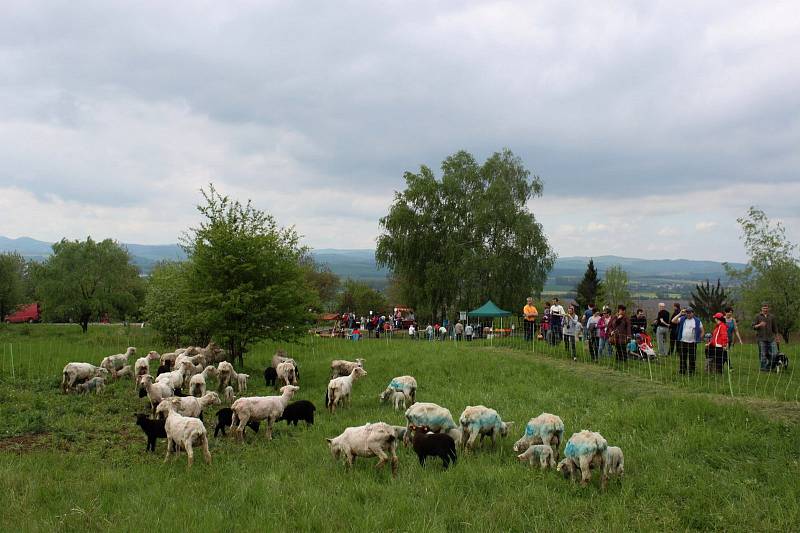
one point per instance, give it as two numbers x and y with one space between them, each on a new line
693 460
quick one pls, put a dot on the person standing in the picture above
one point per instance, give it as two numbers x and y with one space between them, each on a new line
662 329
718 345
571 326
689 333
766 336
529 313
673 328
412 332
556 322
589 313
639 322
602 333
592 334
468 332
733 327
620 333
459 330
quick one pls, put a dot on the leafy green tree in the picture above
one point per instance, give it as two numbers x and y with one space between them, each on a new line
360 298
82 281
245 278
469 236
167 305
772 273
706 300
12 286
616 289
590 288
324 282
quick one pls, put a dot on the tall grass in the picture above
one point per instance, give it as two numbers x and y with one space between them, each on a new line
693 461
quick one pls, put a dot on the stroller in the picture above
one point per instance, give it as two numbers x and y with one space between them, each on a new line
644 347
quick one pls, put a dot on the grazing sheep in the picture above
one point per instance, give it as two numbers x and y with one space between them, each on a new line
270 377
435 417
340 367
191 406
585 449
77 372
168 359
225 419
299 410
613 464
163 369
241 381
268 408
480 420
115 362
125 372
142 365
229 396
428 444
213 353
279 357
407 385
154 429
371 440
400 433
197 383
544 429
183 431
398 398
286 373
175 378
542 453
96 385
339 389
225 372
156 391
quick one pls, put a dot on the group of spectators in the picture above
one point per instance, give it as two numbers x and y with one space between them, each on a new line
608 332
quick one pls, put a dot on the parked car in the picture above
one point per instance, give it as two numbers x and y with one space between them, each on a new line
26 313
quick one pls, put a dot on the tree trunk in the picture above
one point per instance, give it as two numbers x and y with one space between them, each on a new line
785 333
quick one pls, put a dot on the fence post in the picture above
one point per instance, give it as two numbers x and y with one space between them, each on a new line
11 346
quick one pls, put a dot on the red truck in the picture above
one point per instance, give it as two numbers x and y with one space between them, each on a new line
26 313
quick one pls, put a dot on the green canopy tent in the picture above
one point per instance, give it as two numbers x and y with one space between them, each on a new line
489 310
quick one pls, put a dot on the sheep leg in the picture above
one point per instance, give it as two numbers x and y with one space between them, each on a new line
382 456
586 472
189 451
206 453
473 436
169 449
269 429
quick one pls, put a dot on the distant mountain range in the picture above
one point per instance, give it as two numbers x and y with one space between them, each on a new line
647 274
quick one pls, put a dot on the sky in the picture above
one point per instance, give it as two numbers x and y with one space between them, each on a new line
653 125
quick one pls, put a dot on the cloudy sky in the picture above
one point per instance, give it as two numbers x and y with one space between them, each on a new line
653 124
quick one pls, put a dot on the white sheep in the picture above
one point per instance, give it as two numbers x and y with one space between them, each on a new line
371 440
339 389
96 385
225 372
175 378
229 396
405 384
279 357
613 464
77 372
437 418
115 362
398 398
191 406
340 367
142 365
241 381
543 429
156 391
213 353
183 431
481 420
197 383
286 373
542 453
584 450
124 372
268 408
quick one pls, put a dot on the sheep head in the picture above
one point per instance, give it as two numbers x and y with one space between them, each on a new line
166 406
152 355
211 398
505 427
385 395
101 373
360 362
130 351
334 447
289 389
358 372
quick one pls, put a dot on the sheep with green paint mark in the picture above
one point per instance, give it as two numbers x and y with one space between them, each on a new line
482 421
544 429
406 385
584 450
437 418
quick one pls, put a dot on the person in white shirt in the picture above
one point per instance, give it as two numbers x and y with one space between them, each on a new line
468 332
412 332
690 333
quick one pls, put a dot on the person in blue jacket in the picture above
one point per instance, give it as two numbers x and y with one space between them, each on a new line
689 335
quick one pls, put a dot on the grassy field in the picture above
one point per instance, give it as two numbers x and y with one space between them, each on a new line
694 460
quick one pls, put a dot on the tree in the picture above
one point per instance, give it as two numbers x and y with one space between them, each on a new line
324 282
772 273
707 300
12 285
615 287
590 288
245 278
167 305
360 298
469 236
82 281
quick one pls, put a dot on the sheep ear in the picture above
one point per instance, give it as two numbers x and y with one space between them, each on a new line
329 441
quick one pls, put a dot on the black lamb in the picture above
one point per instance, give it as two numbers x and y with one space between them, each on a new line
154 429
434 444
163 369
225 419
299 410
270 375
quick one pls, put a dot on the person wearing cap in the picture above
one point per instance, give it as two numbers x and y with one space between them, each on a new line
766 336
530 313
718 344
689 333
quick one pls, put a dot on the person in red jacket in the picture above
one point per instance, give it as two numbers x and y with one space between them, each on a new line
718 345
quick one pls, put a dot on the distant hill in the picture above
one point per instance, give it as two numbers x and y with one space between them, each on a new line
654 275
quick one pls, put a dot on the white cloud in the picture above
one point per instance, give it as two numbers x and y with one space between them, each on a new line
705 227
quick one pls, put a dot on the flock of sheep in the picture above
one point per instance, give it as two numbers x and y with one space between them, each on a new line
430 428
